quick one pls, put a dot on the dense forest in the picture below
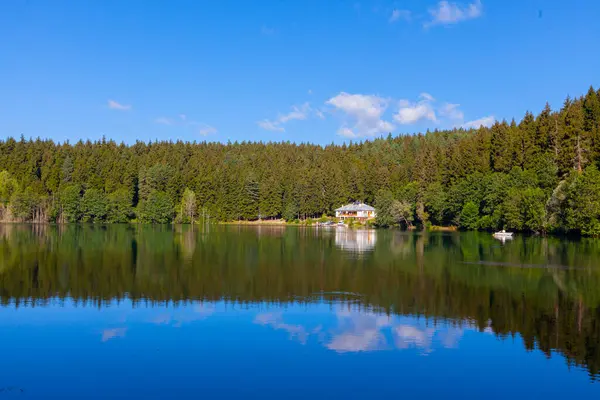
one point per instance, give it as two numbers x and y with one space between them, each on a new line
538 174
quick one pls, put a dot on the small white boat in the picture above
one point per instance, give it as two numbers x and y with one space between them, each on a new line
503 233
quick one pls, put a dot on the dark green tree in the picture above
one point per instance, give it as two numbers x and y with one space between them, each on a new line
157 209
119 206
469 216
94 206
70 200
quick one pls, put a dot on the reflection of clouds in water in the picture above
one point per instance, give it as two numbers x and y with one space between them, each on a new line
360 331
275 320
450 337
109 334
407 336
175 319
178 318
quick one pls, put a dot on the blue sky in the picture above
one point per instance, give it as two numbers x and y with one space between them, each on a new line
305 71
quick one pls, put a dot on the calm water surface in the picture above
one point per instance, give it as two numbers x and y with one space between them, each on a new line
275 312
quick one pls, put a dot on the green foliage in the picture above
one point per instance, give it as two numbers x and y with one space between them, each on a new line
291 212
94 206
525 209
402 212
583 203
187 209
8 187
157 209
70 200
119 206
469 216
383 208
67 170
435 202
23 203
435 174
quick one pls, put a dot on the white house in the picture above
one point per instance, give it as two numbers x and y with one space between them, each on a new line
356 210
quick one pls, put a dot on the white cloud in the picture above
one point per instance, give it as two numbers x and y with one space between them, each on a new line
407 336
275 320
113 105
359 332
309 91
410 113
296 113
485 121
446 13
451 111
364 112
301 112
109 334
205 130
187 315
163 121
399 14
270 126
426 96
355 330
183 117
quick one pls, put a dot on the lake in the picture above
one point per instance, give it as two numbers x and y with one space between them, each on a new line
285 312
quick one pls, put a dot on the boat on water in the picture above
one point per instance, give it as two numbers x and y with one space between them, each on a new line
503 233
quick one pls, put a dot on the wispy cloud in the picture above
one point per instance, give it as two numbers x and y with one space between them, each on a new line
413 112
400 14
163 121
109 334
451 111
182 121
447 13
362 114
270 126
206 130
485 121
178 318
113 105
275 320
298 113
267 31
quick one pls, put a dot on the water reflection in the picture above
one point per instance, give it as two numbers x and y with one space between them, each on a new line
355 240
503 239
112 333
414 290
354 330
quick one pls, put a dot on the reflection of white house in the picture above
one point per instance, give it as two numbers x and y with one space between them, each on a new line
355 210
359 241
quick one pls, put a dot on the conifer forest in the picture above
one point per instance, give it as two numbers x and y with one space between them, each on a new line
537 174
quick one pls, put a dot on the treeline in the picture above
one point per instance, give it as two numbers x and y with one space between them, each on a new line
538 174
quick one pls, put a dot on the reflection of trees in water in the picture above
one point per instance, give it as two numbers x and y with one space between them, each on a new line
524 288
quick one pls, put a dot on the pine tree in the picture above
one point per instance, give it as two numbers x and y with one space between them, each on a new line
67 170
